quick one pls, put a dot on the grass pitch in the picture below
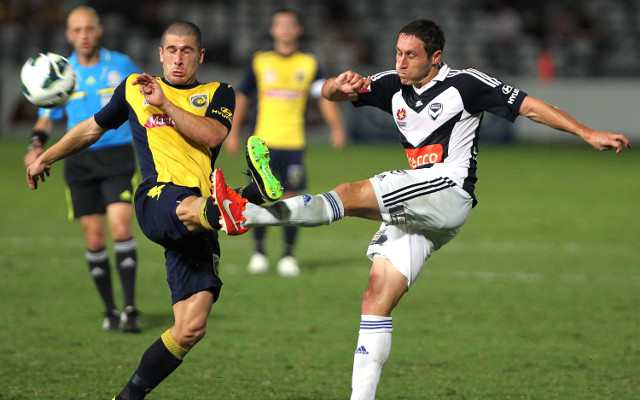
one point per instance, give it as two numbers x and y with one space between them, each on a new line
537 298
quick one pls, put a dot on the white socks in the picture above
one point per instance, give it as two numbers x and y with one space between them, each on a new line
372 352
304 210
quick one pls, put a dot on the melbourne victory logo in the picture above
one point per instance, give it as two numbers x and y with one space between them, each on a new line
435 110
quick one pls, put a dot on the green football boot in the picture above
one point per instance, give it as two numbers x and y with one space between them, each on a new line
260 171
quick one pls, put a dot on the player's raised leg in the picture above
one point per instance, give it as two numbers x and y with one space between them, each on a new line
237 214
230 205
356 199
304 210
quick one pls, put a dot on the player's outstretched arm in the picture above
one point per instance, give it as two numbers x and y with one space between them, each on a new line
77 139
344 87
541 112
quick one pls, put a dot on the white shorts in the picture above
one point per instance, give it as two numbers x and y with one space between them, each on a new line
422 210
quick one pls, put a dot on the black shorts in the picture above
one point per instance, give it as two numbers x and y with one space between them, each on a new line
98 178
191 257
287 166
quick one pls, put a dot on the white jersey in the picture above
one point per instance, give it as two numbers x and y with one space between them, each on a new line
438 124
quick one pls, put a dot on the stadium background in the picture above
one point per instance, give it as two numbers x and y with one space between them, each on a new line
592 45
537 298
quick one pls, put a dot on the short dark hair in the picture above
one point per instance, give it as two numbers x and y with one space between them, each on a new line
183 28
427 31
288 10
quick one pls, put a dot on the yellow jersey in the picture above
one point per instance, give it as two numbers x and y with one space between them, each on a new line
162 150
281 84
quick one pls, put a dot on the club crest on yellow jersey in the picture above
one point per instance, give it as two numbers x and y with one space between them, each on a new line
199 100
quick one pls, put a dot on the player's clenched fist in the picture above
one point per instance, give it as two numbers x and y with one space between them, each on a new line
350 82
344 86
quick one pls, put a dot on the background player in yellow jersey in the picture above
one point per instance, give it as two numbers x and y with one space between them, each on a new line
283 78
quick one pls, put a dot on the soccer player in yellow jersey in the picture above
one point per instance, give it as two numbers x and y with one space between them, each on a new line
178 125
283 78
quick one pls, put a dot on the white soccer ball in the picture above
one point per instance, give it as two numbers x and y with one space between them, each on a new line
47 80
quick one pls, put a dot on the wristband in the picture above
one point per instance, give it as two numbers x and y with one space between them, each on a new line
32 146
38 136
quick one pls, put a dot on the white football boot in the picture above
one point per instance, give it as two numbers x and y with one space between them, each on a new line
288 266
258 264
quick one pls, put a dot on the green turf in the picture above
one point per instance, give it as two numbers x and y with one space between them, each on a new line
538 297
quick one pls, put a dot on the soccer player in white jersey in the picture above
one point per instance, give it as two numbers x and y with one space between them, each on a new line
438 111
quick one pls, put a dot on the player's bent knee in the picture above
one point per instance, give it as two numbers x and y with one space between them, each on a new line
375 303
369 297
349 194
385 289
359 200
346 191
188 212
